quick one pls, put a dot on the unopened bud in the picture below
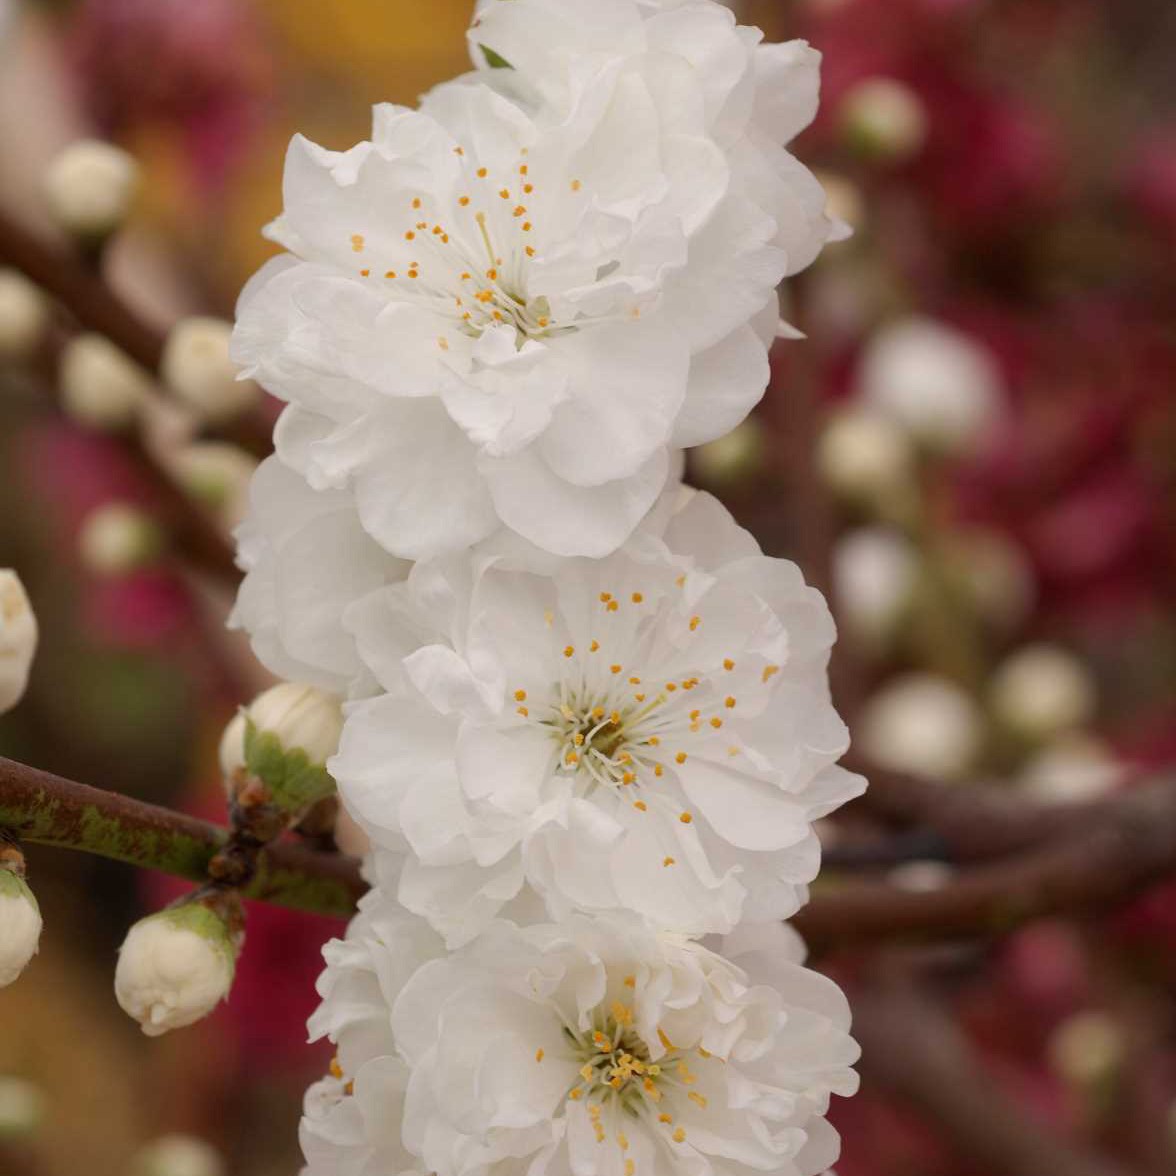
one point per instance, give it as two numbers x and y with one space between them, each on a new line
18 639
284 739
1041 691
922 724
89 188
882 118
176 966
933 381
197 368
100 386
1088 1051
993 574
874 575
22 1108
118 538
217 475
178 1155
865 458
24 316
20 926
731 457
1074 768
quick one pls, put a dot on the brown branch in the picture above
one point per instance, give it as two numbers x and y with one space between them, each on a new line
1095 867
913 1050
49 810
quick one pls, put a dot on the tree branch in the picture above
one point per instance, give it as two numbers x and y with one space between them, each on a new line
913 1050
1096 866
49 810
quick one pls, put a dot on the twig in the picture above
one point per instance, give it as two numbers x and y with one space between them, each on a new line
1097 866
50 810
912 1049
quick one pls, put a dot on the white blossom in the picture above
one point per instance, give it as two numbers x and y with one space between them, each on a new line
18 639
178 1155
89 187
20 926
884 117
175 967
306 558
217 474
875 572
197 368
24 316
511 306
650 731
1042 690
938 383
593 1045
119 538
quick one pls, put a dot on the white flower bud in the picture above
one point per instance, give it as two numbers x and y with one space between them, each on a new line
301 718
175 967
20 926
18 639
22 1108
922 724
1042 690
1088 1050
864 457
994 574
197 368
101 387
935 382
24 316
731 457
1074 768
179 1155
884 119
119 538
89 188
218 475
874 574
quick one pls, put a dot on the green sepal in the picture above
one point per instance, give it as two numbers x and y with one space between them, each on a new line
494 60
294 782
14 886
200 920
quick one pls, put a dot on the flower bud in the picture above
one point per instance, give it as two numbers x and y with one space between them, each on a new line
24 316
89 188
993 574
1072 769
101 387
20 926
874 575
118 538
934 382
922 724
1040 691
217 475
22 1108
284 739
1088 1051
883 119
731 457
176 966
197 368
865 458
18 639
178 1155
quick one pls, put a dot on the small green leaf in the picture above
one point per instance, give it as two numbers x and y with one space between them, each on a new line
494 60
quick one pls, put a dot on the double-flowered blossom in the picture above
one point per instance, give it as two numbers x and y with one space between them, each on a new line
651 731
592 1045
511 306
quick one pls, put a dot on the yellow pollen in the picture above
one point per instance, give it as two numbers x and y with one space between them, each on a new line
544 320
410 235
639 697
522 710
390 274
658 770
616 669
492 274
605 597
669 861
685 818
634 681
630 1168
539 1055
520 210
716 722
695 713
528 188
622 1013
526 226
364 273
576 185
523 169
465 277
463 200
481 173
679 1135
628 777
357 242
615 718
681 581
630 981
664 1118
671 686
459 151
654 741
571 758
569 650
594 647
413 274
577 1094
520 696
732 750
640 805
680 757
612 606
578 739
416 202
694 623
728 664
422 224
729 702
505 193
484 296
530 251
695 1097
769 671
336 1069
637 598
586 1074
598 712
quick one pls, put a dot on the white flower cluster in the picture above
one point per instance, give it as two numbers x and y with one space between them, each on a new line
588 721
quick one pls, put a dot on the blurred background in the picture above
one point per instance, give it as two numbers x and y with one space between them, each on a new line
974 452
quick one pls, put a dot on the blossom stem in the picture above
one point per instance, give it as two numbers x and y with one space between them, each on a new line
50 810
